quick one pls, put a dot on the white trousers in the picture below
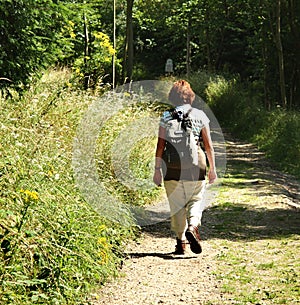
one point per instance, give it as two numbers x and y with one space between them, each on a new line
185 200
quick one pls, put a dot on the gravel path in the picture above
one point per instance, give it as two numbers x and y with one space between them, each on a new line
152 275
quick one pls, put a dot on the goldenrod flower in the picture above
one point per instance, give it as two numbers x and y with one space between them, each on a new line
29 195
102 241
104 42
102 227
104 257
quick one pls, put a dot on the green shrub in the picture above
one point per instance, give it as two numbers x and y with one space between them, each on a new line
281 140
89 70
199 81
236 109
240 110
54 248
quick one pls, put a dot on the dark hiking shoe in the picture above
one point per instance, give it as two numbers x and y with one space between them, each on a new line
180 247
193 236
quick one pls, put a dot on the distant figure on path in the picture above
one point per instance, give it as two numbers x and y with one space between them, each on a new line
169 67
184 184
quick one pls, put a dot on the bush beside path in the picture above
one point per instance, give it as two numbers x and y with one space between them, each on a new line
250 245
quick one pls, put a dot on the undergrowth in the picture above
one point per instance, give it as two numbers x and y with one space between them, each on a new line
54 248
138 168
240 110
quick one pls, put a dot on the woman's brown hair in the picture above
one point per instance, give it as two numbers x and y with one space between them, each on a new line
181 93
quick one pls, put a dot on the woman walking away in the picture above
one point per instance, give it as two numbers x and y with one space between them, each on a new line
184 178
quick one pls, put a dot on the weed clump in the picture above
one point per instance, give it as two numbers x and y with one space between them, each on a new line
55 249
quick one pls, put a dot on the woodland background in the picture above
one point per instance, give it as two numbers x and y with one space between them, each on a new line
256 40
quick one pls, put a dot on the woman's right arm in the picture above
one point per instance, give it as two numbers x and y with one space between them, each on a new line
161 142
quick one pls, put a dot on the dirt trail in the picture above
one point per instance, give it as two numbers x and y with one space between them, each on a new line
152 275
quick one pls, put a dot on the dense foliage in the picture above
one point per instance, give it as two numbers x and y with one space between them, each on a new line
240 111
36 34
241 37
30 37
257 40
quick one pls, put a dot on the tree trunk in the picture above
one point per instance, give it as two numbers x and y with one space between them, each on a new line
188 49
208 42
280 54
115 48
128 58
265 78
294 84
264 62
86 53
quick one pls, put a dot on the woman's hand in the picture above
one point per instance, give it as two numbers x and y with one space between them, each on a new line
212 176
157 177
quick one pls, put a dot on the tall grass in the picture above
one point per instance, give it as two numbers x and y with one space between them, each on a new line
54 248
140 159
281 140
240 110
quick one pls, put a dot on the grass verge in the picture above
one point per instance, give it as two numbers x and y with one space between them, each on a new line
256 235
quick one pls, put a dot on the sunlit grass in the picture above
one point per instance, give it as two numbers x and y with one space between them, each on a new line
258 260
54 247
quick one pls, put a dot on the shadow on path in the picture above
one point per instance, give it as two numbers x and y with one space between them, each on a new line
237 222
240 222
166 256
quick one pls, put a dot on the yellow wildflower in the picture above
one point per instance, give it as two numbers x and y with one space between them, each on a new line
102 241
104 257
29 195
104 42
102 227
